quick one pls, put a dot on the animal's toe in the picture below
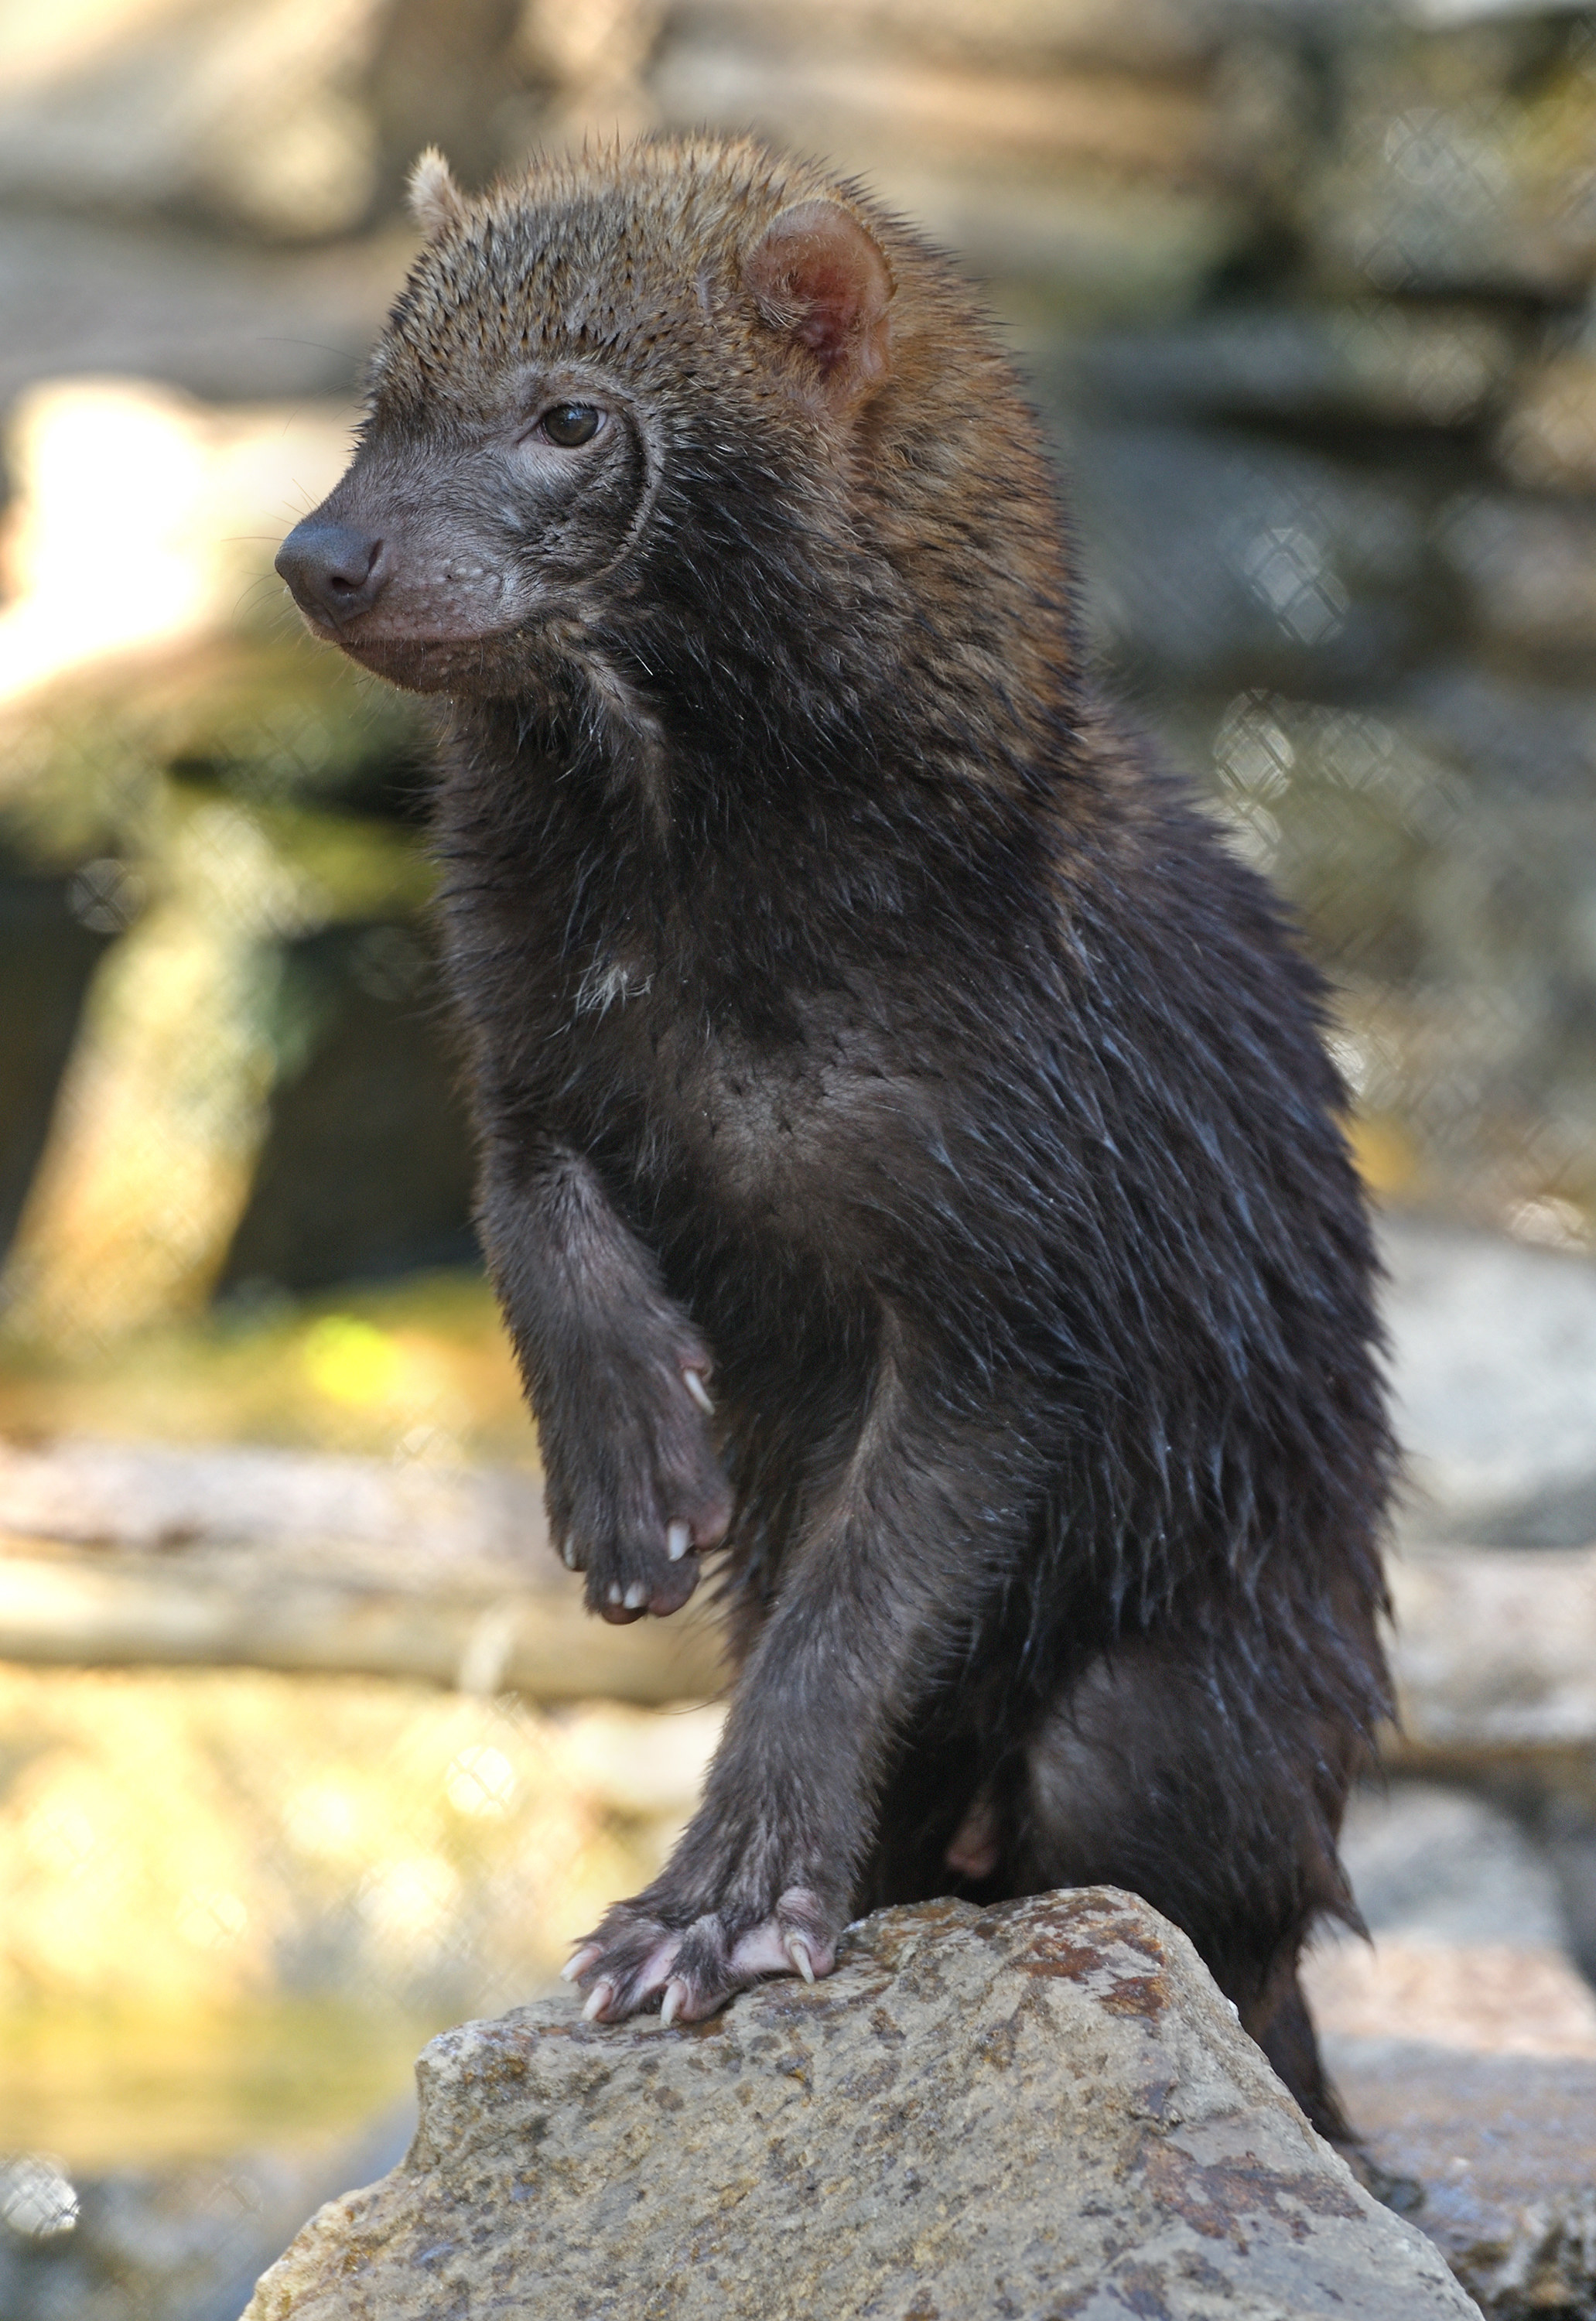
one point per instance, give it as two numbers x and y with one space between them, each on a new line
795 1939
623 1966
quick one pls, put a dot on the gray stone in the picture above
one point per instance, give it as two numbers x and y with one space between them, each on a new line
1382 362
1518 742
1037 2111
120 1553
1435 1863
1495 1654
1214 563
183 2241
1547 440
1495 2157
283 123
1147 35
1494 1367
1494 1998
1441 844
1528 568
1471 1943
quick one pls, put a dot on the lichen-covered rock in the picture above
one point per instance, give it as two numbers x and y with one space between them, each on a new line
1039 2111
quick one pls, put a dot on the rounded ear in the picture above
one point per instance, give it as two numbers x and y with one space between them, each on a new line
436 202
817 276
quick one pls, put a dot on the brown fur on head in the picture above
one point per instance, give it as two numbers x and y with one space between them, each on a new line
755 335
655 239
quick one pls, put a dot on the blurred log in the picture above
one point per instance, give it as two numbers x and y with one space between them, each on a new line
115 1610
113 1556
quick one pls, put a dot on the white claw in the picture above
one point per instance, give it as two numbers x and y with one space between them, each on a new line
568 1554
797 1950
583 1956
598 1999
635 1597
694 1382
678 1540
671 2004
615 1594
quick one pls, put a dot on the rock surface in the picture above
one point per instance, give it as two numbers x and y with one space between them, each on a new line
1494 2155
178 2242
1494 1369
1493 1653
1464 2042
1040 2111
1429 1863
1473 1944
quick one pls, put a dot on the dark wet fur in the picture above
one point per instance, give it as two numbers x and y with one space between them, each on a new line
923 1060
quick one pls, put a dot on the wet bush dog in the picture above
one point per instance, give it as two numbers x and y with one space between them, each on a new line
910 1164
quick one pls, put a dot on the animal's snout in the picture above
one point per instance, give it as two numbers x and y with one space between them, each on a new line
333 571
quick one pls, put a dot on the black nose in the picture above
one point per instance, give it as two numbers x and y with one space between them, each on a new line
333 571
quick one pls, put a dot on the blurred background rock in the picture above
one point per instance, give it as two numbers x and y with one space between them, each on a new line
1304 290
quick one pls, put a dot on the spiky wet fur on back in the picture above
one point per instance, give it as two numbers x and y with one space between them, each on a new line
961 1086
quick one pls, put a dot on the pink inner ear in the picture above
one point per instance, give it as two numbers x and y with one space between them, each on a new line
817 274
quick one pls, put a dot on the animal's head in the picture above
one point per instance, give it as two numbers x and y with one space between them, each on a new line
704 428
614 383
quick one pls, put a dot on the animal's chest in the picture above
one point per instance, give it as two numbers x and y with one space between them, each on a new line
786 1125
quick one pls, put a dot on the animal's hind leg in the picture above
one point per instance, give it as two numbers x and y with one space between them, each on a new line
1282 2024
1209 1779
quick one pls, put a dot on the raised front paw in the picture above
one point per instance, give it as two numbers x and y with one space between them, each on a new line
635 1486
634 1960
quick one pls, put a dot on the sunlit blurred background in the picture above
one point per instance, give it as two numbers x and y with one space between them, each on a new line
300 1756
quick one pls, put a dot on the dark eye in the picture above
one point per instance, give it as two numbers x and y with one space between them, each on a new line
570 423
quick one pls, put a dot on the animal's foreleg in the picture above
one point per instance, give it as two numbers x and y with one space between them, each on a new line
618 1377
886 1581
